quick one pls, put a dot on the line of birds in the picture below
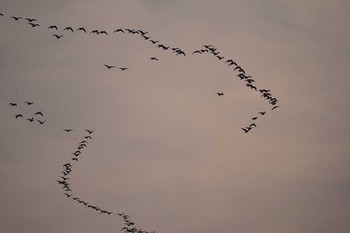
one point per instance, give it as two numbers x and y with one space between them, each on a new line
64 179
39 114
249 81
144 34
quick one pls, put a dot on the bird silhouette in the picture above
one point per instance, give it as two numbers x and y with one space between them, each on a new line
153 59
254 118
275 107
88 137
31 20
118 30
103 32
262 113
89 131
30 119
81 29
109 67
29 103
41 122
197 51
34 25
246 130
18 115
94 31
68 195
251 125
53 27
220 94
68 130
154 41
39 113
68 28
75 159
13 104
16 18
123 68
1 14
57 36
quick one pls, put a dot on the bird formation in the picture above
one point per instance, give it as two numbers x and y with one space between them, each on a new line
243 76
34 117
64 182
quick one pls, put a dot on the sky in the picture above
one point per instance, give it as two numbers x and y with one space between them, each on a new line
165 148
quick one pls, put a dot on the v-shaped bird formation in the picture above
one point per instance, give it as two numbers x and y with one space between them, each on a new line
38 116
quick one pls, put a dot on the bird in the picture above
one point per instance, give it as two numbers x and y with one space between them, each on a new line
68 130
34 25
18 115
57 36
239 69
53 27
41 122
179 52
30 119
68 28
118 30
76 153
275 107
153 59
13 104
89 131
246 130
197 51
103 32
231 62
220 93
16 18
39 113
75 159
109 67
94 31
29 103
31 20
88 137
254 118
123 68
146 37
68 195
1 14
262 113
220 58
251 125
154 41
81 29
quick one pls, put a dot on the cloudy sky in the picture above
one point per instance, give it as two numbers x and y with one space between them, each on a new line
167 150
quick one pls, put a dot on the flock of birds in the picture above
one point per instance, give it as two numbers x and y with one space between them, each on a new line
38 116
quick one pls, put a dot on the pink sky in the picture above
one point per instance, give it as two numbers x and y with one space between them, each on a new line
166 149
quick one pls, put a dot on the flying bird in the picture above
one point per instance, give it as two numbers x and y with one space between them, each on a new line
13 104
108 66
154 41
41 122
220 94
68 195
262 113
197 51
18 115
254 118
118 30
57 36
246 130
29 103
275 107
81 29
88 137
34 25
68 28
31 20
123 68
68 130
53 27
75 159
16 18
153 58
30 119
94 31
251 125
103 32
39 113
89 131
1 14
